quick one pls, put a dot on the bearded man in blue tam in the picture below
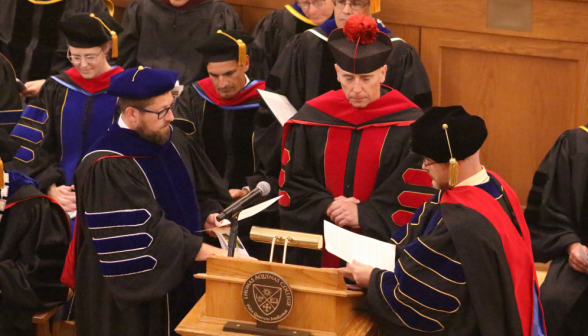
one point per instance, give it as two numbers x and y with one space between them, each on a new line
144 197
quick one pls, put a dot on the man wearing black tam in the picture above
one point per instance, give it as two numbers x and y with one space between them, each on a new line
144 196
346 154
464 263
72 109
218 114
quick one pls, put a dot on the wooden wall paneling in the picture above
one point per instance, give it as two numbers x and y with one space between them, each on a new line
267 4
410 34
251 15
529 91
555 20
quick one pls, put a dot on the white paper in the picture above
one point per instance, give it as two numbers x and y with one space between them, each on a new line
583 254
254 210
351 246
223 234
279 105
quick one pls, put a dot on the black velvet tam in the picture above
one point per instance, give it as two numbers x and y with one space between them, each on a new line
218 47
142 83
466 133
84 31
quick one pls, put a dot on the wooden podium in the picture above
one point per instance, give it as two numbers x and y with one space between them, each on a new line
322 304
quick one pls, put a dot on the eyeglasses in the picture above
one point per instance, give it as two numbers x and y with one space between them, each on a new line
355 5
161 114
306 4
77 59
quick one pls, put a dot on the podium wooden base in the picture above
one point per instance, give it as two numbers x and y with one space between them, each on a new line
322 304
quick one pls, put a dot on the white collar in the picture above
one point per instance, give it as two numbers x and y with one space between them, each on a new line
121 123
480 177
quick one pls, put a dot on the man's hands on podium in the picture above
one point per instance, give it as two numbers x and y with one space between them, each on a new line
343 211
578 257
358 272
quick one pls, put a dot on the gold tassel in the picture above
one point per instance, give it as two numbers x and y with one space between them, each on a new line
1 174
110 6
375 6
453 164
242 47
114 44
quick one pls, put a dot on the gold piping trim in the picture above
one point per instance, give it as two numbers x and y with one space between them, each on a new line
190 123
300 16
424 305
61 122
584 128
39 2
42 134
9 110
28 150
433 288
432 270
412 192
457 262
14 72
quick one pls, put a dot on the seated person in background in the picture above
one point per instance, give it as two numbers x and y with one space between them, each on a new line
464 263
277 28
30 38
72 109
218 112
305 70
34 235
161 34
557 216
139 225
347 153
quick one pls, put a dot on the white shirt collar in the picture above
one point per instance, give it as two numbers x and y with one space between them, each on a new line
480 177
121 123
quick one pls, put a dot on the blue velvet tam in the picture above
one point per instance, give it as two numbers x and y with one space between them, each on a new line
142 83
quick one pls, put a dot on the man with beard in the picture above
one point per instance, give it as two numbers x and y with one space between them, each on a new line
161 34
464 263
138 235
72 109
273 32
346 153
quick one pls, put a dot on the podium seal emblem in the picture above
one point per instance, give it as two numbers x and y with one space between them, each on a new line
267 297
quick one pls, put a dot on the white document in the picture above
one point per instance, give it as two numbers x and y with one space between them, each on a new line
223 234
351 246
254 210
279 105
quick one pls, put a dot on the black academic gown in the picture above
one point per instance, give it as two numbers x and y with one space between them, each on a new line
305 70
137 235
162 37
271 34
34 43
58 127
333 149
10 103
34 236
557 211
464 267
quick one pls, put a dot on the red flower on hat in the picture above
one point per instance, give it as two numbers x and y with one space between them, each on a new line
362 28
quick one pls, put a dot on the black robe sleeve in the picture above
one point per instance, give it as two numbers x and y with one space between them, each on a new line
557 202
34 238
188 114
224 17
129 39
9 99
407 74
426 291
115 191
42 140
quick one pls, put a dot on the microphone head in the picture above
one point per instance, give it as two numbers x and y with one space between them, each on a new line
264 187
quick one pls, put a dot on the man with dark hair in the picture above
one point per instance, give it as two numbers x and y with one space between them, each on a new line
556 213
72 109
141 206
273 32
464 263
175 25
34 235
346 154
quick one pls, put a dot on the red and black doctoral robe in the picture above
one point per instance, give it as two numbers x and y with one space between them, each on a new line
332 149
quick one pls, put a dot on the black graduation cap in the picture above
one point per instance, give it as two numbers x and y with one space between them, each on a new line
359 47
88 30
224 46
449 132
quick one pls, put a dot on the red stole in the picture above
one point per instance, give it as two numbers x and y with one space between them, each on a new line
249 93
95 84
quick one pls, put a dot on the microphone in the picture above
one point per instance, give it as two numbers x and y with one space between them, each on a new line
262 189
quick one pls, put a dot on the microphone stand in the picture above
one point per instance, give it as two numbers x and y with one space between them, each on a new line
233 234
